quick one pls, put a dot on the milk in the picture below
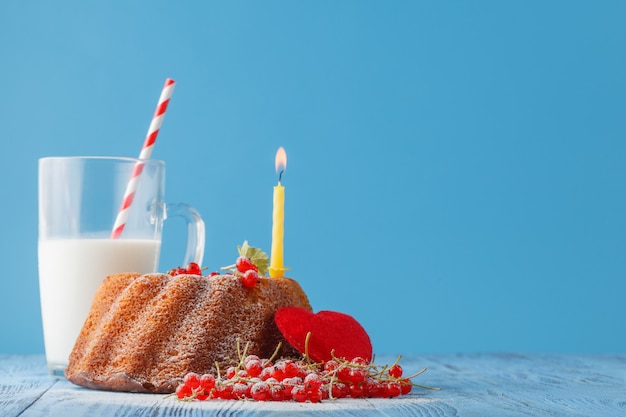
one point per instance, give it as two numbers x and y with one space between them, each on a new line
70 272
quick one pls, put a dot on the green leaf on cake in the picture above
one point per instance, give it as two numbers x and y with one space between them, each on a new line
256 255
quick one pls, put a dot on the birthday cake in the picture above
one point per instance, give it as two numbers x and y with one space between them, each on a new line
237 335
145 332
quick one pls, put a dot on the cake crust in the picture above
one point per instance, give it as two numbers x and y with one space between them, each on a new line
145 332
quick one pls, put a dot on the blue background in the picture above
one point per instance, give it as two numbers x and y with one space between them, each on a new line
456 175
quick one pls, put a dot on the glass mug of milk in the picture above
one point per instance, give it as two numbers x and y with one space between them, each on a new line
80 200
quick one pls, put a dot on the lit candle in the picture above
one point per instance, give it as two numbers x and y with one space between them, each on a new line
277 269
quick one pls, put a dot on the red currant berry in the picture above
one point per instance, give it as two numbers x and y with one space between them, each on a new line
272 381
356 390
278 372
278 392
298 393
359 361
183 391
267 373
240 391
395 371
260 391
192 380
249 388
325 392
250 278
244 264
406 386
312 382
373 388
194 269
392 389
251 358
344 374
315 396
291 383
291 369
207 382
254 368
231 372
331 365
302 369
225 392
339 390
357 375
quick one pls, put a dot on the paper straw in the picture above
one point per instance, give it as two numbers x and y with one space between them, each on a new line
146 152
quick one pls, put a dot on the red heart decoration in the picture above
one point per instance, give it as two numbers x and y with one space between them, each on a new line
330 331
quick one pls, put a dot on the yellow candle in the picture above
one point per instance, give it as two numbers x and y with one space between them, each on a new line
277 268
278 231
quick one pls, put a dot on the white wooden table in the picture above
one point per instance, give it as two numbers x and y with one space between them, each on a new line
471 385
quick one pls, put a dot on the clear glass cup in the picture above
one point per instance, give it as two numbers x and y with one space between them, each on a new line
79 201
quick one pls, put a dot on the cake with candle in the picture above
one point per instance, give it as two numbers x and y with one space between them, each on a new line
157 332
145 332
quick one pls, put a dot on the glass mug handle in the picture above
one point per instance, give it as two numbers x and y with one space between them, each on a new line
195 230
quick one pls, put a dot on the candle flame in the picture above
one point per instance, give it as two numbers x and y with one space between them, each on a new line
281 160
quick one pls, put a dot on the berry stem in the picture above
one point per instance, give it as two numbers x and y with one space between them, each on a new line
425 387
217 367
306 348
242 355
417 373
275 354
398 361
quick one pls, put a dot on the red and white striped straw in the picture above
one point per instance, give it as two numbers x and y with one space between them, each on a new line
146 152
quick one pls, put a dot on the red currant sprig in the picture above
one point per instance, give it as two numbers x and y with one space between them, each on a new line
250 278
192 268
244 264
245 270
286 379
251 263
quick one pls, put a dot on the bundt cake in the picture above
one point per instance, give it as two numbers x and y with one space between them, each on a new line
145 332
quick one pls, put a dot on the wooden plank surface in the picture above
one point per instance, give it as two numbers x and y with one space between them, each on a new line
471 385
